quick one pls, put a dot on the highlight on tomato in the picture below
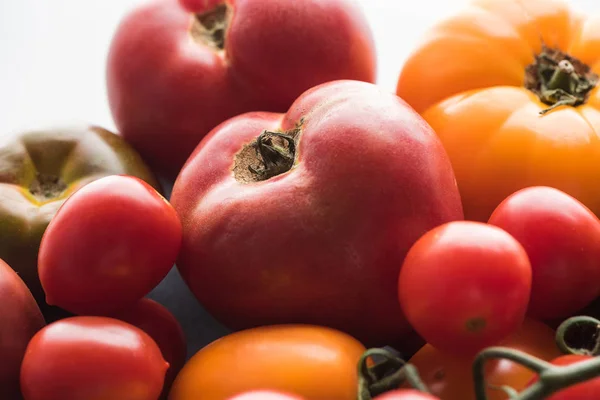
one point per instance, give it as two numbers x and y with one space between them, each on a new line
406 394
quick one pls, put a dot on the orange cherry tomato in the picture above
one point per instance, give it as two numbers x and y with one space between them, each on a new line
311 362
450 377
481 80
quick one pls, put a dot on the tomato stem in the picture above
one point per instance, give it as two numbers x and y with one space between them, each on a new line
276 152
579 323
552 378
210 27
386 375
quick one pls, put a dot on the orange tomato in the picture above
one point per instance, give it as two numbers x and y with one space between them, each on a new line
311 362
450 377
481 79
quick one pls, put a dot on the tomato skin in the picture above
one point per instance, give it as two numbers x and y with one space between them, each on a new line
562 240
286 358
268 60
461 273
344 226
406 394
154 319
450 376
89 358
264 395
20 319
88 267
40 169
583 391
488 121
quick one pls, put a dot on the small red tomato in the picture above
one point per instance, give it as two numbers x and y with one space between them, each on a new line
562 239
589 390
465 285
89 358
154 319
264 395
406 394
109 245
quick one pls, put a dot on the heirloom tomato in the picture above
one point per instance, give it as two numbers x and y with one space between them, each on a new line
511 88
38 171
562 240
108 246
89 358
465 285
450 376
311 362
176 69
305 217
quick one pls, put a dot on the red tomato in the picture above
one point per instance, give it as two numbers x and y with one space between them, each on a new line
315 211
562 239
465 285
450 376
92 358
264 395
161 325
406 394
225 58
109 244
589 390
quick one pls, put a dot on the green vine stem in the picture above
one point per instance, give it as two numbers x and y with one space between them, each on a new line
579 322
552 378
387 374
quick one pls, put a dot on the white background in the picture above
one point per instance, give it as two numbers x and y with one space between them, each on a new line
52 53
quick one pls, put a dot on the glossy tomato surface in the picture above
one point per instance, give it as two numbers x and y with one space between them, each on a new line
482 98
20 319
465 285
225 58
109 245
406 394
562 240
264 395
154 319
588 390
92 358
327 225
311 362
39 170
450 376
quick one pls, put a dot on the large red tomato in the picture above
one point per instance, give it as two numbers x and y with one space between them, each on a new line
307 216
20 319
109 245
562 240
465 285
92 358
176 69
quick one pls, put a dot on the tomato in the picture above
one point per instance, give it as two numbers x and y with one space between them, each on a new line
20 319
562 239
450 376
264 395
465 285
38 171
89 358
406 394
211 60
312 362
317 216
492 77
109 245
583 391
154 319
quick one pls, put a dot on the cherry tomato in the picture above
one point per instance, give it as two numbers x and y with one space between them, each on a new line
313 362
264 395
406 394
450 376
109 244
465 285
589 390
562 239
154 319
92 358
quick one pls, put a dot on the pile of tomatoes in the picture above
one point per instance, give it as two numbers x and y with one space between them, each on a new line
312 212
